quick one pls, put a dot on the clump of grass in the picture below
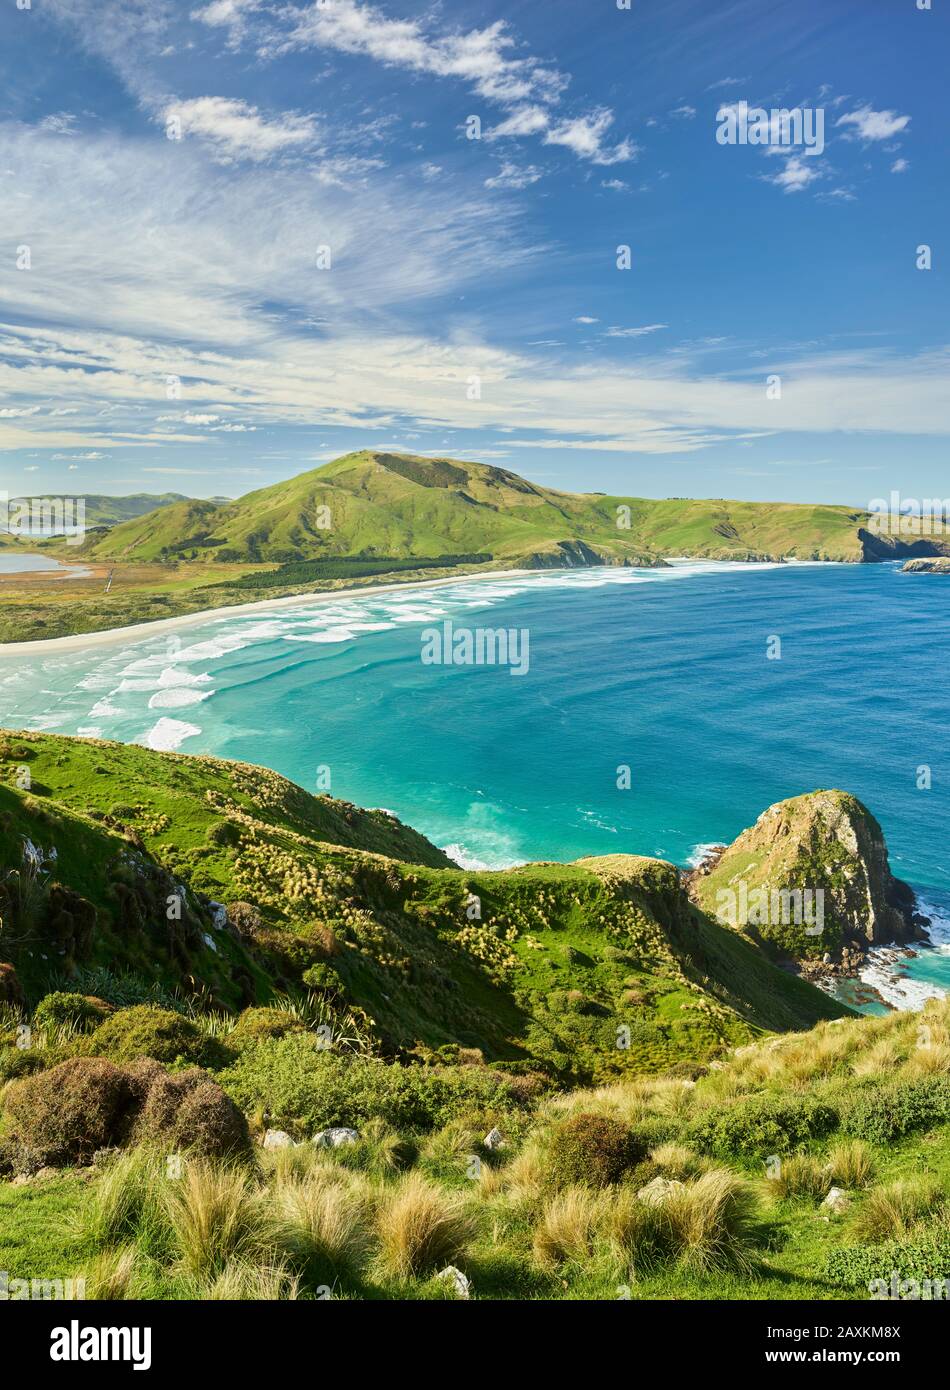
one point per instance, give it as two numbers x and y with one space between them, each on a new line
636 1232
710 1222
892 1211
567 1227
215 1216
800 1175
240 1281
116 1275
851 1163
676 1161
380 1149
323 1227
421 1227
126 1201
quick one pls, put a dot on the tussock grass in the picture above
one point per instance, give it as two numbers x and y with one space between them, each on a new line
215 1216
800 1175
711 1222
421 1227
116 1275
892 1211
567 1227
324 1227
239 1281
851 1163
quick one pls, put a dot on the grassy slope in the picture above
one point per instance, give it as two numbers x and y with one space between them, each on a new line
403 505
560 956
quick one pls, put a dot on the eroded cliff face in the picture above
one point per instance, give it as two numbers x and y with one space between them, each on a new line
810 878
884 547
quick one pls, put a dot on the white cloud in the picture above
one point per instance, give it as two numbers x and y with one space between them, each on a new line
874 125
236 129
900 166
483 58
514 176
585 318
15 412
584 135
684 112
797 174
191 418
634 332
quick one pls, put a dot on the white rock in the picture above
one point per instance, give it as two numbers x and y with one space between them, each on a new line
456 1280
335 1138
219 915
278 1139
209 941
493 1139
837 1201
659 1190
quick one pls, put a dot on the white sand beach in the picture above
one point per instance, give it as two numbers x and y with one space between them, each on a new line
110 636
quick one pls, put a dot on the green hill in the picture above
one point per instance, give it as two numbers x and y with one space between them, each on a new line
399 505
547 964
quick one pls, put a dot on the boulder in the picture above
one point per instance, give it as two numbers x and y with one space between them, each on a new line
659 1190
837 1202
278 1139
493 1139
455 1280
335 1138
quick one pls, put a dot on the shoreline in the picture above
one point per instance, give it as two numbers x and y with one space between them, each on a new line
137 631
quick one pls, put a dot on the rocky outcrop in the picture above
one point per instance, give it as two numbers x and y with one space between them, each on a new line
939 565
810 880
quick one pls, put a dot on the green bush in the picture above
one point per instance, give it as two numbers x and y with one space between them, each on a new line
889 1111
300 1082
258 1023
760 1125
147 1031
190 1112
859 1264
590 1151
64 1115
20 1061
62 1009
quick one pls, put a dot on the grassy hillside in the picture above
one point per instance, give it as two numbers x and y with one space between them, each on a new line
378 1076
398 505
547 965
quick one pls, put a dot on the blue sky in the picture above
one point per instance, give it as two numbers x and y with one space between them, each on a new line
279 208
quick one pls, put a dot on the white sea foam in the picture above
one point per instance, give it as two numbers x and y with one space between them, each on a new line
896 988
177 697
698 854
104 709
464 857
168 734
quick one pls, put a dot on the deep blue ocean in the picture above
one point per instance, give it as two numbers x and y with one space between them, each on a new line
664 672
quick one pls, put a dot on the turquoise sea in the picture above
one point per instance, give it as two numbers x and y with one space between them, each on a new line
664 672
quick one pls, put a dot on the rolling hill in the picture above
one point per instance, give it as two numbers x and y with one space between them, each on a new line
554 959
399 505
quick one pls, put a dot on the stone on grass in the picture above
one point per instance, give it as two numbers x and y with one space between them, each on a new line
659 1190
837 1201
335 1138
455 1280
278 1139
493 1139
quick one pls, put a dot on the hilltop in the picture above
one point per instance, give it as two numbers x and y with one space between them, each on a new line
371 503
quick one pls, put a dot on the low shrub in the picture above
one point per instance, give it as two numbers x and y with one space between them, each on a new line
82 1012
889 1111
858 1265
590 1151
65 1114
301 1083
190 1112
264 1023
148 1031
891 1212
762 1125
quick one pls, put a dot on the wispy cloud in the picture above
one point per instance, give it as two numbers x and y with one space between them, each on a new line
866 124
